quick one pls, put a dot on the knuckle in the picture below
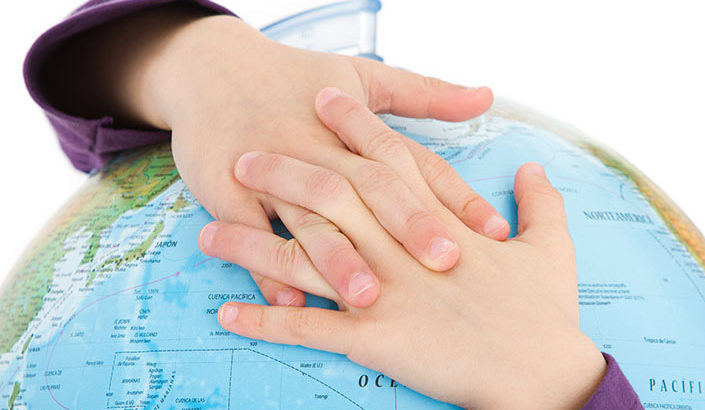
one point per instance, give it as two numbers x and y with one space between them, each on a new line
296 323
375 176
435 168
470 201
417 218
323 184
287 257
381 98
311 220
383 142
432 83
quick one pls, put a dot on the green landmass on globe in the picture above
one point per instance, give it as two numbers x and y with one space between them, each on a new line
124 185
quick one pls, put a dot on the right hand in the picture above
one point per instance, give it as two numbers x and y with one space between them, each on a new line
499 330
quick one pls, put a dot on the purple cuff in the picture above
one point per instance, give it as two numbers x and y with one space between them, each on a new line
615 391
91 143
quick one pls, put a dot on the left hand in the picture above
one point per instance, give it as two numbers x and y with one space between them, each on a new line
493 332
223 89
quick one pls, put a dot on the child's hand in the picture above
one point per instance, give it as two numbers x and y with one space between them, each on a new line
499 330
224 89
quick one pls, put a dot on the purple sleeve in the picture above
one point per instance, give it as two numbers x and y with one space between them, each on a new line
615 391
91 142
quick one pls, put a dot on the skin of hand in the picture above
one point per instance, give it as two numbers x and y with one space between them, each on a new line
499 330
224 89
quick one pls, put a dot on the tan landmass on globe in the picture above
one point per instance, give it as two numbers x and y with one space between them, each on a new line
676 220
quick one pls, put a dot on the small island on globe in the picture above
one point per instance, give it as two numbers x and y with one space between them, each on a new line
114 306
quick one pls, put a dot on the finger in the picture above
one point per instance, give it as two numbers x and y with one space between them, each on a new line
331 253
255 249
402 214
388 171
400 92
453 192
540 209
235 205
330 195
321 329
366 134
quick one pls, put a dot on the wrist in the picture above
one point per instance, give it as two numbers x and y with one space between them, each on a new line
186 72
578 371
563 375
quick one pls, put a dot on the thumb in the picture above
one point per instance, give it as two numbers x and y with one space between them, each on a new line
400 92
541 214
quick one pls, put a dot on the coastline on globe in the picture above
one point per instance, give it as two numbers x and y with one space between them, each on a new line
677 221
114 306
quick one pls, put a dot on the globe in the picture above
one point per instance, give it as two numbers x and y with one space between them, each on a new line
114 306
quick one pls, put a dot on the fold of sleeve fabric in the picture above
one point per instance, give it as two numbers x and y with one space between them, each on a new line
615 391
91 142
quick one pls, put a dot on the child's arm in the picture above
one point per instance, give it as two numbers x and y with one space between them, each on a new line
499 330
120 74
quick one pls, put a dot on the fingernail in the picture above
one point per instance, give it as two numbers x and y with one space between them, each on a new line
244 162
494 224
227 313
475 89
360 282
440 247
286 297
326 95
207 234
534 168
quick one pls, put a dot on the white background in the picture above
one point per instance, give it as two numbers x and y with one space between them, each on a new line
630 73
